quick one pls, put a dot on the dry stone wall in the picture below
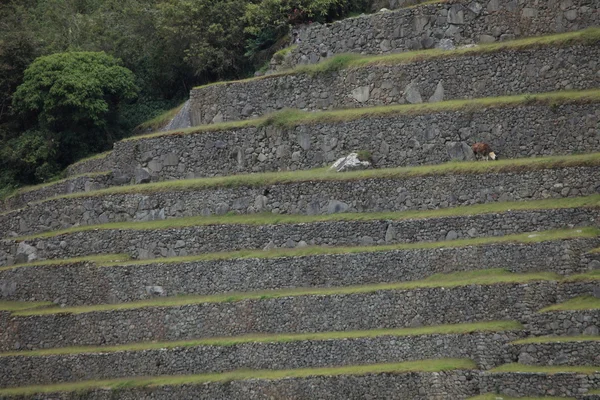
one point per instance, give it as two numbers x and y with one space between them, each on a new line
564 323
394 140
382 309
405 386
85 283
155 243
102 162
443 25
312 198
483 348
535 384
491 74
563 353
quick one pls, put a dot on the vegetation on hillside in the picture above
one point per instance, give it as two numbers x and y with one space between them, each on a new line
162 48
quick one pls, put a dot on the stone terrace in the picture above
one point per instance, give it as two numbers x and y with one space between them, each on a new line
418 279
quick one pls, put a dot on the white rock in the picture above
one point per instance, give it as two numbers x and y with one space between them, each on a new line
349 163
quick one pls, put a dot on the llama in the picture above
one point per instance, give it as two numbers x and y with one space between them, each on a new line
483 151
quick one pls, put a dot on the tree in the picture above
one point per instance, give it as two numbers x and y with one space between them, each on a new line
75 96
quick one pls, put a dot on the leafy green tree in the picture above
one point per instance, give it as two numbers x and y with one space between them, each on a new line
76 96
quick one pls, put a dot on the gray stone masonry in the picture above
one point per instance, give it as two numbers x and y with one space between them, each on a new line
310 197
562 323
393 141
450 385
145 244
537 384
82 183
85 283
566 353
487 349
500 73
443 25
311 313
455 385
96 164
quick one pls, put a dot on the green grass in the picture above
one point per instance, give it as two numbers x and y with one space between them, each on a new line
557 339
12 306
491 396
325 175
160 121
586 276
288 118
97 258
531 237
595 391
576 304
438 365
550 369
93 157
588 36
480 277
592 201
492 326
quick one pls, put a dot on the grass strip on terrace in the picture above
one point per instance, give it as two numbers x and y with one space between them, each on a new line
161 120
448 329
12 306
325 175
436 365
576 304
96 258
546 369
293 117
592 201
90 158
493 396
531 237
557 339
595 391
456 279
589 36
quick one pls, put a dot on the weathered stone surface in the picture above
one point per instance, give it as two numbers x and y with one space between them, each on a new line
350 162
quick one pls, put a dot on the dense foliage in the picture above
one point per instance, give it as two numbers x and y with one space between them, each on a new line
168 45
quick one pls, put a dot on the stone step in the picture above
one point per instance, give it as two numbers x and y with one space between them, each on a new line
580 316
317 192
534 65
484 343
557 350
74 184
443 24
442 379
444 301
181 237
518 380
96 163
393 136
101 280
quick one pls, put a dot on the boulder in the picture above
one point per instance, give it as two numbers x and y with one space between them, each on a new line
25 253
349 163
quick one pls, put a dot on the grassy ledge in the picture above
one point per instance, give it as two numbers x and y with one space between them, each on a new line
550 369
576 304
492 396
97 259
291 117
12 306
557 339
90 158
588 36
492 326
447 364
457 279
124 259
325 175
592 201
532 237
160 121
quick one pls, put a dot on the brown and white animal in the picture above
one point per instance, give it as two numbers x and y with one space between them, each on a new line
483 151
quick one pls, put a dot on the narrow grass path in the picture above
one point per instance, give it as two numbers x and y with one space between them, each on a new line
546 369
592 201
13 306
576 304
124 259
457 279
492 396
449 329
557 339
438 365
